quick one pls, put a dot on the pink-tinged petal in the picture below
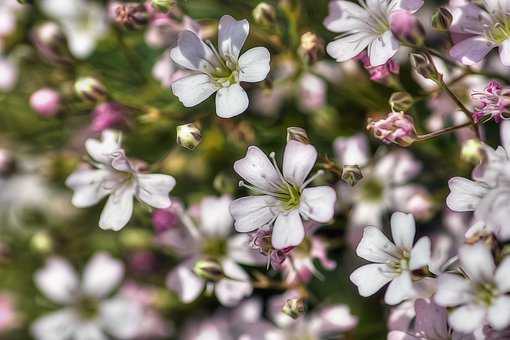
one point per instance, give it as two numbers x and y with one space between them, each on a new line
399 335
231 36
215 218
253 212
344 16
352 150
101 151
88 186
192 53
471 50
476 260
193 89
288 230
382 49
402 316
118 208
453 290
59 325
403 230
349 46
298 161
464 195
153 189
499 312
400 289
410 5
122 317
102 275
240 251
397 167
258 170
231 292
58 281
502 276
231 101
318 203
370 278
254 65
182 281
333 319
420 254
375 246
431 319
468 19
504 52
468 318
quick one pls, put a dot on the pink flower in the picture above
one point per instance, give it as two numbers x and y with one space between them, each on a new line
493 101
46 102
8 318
397 128
381 72
108 115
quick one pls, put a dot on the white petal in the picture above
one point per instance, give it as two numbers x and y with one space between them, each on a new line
382 48
102 275
89 331
153 189
193 89
464 194
403 230
476 260
344 16
288 230
298 161
472 50
504 52
59 325
253 212
352 150
231 292
410 5
400 289
118 208
192 53
185 283
58 281
258 170
370 278
348 47
215 218
375 246
254 65
499 312
88 186
420 254
102 150
231 101
232 35
318 203
453 290
502 277
397 167
333 319
121 317
240 251
467 319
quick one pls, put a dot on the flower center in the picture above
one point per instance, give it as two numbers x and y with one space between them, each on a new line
291 198
500 31
215 247
88 308
486 292
401 264
372 190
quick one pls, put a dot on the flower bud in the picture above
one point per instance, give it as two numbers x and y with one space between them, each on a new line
401 101
224 184
209 270
131 15
351 174
91 89
311 47
189 136
46 102
162 5
41 242
297 134
165 219
397 128
424 66
442 19
264 14
407 28
294 308
108 115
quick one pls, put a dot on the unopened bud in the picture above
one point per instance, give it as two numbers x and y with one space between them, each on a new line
41 242
397 128
407 28
294 308
209 270
424 65
46 102
131 15
472 151
189 136
51 43
401 101
312 46
351 174
442 19
90 89
264 14
297 134
162 5
224 184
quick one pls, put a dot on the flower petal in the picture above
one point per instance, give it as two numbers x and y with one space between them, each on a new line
192 53
102 150
288 230
153 189
452 290
370 278
59 325
258 170
348 47
477 262
88 186
298 161
58 281
215 218
118 208
504 52
382 48
344 16
240 251
410 5
102 275
499 312
501 278
318 203
464 195
231 101
472 50
231 292
193 89
254 65
231 36
253 212
89 331
467 319
352 150
420 254
122 317
400 289
403 230
185 283
375 246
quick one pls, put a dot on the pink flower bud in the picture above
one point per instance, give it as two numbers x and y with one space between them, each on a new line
407 28
397 128
108 115
46 102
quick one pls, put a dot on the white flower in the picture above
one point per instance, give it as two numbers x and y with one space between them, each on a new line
84 22
393 262
116 176
480 297
284 199
219 71
88 312
365 26
210 239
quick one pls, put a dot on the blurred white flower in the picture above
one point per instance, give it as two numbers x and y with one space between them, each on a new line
88 313
394 262
219 71
482 296
283 199
115 175
8 74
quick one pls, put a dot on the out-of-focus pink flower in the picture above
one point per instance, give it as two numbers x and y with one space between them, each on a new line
164 30
108 115
416 200
397 128
8 316
406 27
46 102
166 219
8 74
312 92
142 261
493 101
381 72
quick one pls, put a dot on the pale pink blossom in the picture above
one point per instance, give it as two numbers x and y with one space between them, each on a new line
46 102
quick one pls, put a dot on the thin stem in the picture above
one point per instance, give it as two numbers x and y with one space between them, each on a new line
462 107
437 133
